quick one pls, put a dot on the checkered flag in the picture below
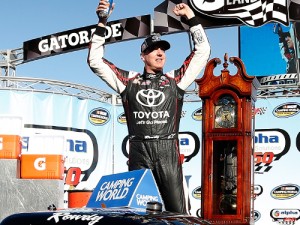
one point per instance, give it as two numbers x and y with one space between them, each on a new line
132 28
252 14
261 168
165 21
259 13
264 167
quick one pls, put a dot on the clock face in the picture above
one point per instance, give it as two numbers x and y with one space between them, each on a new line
225 113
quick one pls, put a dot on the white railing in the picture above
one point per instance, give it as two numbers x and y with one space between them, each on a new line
55 87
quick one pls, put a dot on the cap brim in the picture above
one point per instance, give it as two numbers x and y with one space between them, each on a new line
162 43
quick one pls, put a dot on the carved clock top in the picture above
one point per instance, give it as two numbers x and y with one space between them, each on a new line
240 82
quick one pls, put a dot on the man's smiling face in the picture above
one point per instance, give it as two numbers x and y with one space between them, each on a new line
154 59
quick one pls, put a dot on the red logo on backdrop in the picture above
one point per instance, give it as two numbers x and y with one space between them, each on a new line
285 216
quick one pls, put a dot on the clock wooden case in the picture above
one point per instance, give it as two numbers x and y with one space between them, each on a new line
227 143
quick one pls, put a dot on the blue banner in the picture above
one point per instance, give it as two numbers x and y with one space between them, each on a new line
130 189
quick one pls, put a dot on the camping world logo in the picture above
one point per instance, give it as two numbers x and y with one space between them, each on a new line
251 12
285 191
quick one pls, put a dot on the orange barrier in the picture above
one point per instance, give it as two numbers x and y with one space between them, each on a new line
38 166
10 146
78 198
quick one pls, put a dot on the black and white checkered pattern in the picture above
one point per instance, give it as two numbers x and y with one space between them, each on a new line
132 28
254 14
260 12
165 21
261 168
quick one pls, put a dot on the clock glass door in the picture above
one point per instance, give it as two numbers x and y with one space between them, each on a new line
224 177
226 112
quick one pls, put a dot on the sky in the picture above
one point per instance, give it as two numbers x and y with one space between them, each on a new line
21 21
260 50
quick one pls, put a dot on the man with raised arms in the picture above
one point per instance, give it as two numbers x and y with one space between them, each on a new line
152 102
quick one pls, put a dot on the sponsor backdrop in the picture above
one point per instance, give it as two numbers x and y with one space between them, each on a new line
277 160
96 132
85 124
96 145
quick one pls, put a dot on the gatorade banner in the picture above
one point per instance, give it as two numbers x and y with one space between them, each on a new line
76 39
97 146
212 14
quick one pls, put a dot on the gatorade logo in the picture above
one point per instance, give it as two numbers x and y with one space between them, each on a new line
40 164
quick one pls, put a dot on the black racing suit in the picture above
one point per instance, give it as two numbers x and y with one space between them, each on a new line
153 105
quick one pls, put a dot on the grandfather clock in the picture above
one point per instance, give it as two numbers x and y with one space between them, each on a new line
227 145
